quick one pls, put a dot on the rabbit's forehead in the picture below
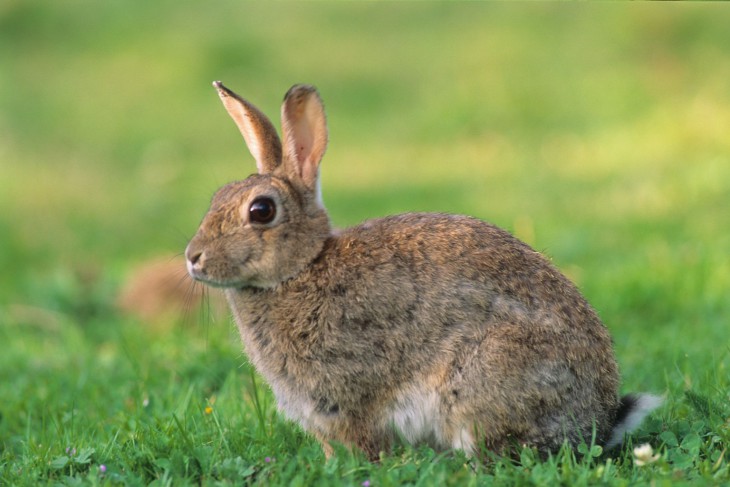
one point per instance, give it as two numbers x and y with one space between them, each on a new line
235 193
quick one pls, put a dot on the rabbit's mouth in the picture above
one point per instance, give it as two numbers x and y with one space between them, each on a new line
223 284
233 283
202 271
236 282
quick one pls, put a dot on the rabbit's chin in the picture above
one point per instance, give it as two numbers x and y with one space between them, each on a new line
203 278
234 284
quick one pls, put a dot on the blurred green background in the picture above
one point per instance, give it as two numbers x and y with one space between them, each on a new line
600 134
597 133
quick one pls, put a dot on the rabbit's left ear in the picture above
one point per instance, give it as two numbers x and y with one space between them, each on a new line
257 130
304 130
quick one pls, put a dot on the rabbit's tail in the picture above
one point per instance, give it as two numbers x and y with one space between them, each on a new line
631 412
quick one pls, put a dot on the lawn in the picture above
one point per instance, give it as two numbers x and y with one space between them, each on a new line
596 133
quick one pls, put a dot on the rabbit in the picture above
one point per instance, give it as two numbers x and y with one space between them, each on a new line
434 329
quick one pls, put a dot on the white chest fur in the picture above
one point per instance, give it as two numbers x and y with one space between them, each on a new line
417 417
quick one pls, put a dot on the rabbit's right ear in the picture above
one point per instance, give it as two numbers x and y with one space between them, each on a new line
256 128
304 129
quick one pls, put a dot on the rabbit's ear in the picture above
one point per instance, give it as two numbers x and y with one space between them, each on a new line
304 129
257 129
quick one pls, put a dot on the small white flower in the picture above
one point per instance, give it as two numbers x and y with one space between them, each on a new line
644 455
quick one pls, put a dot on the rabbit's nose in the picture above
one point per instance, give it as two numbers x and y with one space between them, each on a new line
195 260
195 256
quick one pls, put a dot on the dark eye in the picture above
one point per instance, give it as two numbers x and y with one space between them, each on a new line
262 210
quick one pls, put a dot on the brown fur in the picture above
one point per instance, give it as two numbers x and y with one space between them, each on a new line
440 328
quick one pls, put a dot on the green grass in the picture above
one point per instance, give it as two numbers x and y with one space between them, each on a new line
597 133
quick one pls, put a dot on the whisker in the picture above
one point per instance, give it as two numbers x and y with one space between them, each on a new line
182 288
205 310
191 298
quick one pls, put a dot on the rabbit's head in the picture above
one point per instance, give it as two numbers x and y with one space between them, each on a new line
265 229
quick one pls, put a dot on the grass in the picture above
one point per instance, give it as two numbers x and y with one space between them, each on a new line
597 133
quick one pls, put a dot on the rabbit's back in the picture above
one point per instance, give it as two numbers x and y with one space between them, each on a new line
434 324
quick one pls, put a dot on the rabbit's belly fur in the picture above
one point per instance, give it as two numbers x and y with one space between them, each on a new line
415 415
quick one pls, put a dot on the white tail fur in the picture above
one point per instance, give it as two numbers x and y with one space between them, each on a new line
632 412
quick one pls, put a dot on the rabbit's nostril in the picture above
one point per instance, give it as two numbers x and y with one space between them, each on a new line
194 257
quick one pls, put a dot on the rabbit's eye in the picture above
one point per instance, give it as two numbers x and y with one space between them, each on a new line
262 210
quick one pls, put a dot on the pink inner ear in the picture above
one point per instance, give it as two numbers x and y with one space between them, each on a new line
304 140
305 131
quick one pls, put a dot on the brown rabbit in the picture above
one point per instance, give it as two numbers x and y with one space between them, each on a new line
436 328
